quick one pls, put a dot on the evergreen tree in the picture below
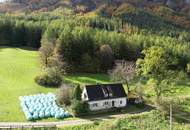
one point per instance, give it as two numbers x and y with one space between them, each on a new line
77 93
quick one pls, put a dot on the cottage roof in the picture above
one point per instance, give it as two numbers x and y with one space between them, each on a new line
105 91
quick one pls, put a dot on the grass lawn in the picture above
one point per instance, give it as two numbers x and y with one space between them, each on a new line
87 78
17 72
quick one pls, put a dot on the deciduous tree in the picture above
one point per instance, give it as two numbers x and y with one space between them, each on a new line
123 71
156 66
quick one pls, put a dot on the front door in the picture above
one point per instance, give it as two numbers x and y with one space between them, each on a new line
113 103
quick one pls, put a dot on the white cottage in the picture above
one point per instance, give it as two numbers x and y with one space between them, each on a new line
104 96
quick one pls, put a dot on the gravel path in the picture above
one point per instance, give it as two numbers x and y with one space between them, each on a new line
67 123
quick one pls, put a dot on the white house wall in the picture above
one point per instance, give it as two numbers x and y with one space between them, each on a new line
119 102
84 95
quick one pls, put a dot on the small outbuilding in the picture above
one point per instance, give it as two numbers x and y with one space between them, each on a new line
104 96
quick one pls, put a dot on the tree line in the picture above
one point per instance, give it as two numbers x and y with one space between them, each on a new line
89 44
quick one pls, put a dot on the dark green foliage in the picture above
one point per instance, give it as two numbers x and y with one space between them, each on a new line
5 32
78 45
110 25
50 77
77 93
73 43
18 35
79 107
77 40
15 32
89 64
106 57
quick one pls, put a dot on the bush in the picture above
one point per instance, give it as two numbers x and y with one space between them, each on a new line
50 77
79 108
64 94
77 92
58 62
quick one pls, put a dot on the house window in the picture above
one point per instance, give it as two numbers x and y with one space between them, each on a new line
106 103
94 105
120 102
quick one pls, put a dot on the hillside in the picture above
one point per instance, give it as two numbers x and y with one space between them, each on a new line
143 44
143 14
87 5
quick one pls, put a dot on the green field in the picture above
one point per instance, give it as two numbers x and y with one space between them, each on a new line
17 72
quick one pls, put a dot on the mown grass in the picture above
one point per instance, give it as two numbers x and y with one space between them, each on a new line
17 72
87 78
18 68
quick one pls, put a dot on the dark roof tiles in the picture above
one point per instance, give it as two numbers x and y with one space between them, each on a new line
105 91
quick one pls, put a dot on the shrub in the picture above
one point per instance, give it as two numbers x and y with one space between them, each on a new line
77 92
49 77
58 62
64 94
79 108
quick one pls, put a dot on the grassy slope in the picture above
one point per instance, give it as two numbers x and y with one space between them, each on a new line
17 72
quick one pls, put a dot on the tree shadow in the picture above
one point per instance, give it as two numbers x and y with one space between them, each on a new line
19 48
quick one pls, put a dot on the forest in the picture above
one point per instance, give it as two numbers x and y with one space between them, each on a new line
94 36
137 45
